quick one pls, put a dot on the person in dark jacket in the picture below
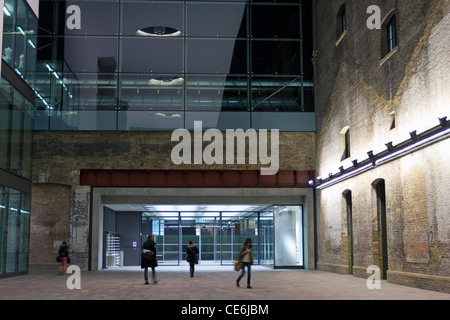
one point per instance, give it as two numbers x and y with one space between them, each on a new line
63 253
191 252
149 263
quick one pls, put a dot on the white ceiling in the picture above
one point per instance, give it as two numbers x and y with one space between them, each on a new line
186 208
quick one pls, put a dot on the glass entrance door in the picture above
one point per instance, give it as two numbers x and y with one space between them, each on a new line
203 229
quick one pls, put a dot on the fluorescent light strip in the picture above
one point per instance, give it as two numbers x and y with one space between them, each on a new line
326 184
386 158
6 11
414 145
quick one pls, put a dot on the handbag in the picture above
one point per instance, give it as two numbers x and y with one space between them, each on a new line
147 254
196 258
58 258
238 265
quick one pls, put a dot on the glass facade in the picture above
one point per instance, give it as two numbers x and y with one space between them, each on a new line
161 65
220 235
16 125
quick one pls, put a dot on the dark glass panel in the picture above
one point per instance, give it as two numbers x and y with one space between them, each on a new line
276 57
216 20
275 21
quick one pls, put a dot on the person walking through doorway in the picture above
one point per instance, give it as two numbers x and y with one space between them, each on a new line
246 256
63 254
149 258
192 257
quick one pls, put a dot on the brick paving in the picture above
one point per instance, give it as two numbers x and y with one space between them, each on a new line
209 283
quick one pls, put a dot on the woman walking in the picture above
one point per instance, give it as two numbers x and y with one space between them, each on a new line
149 258
246 256
63 253
192 258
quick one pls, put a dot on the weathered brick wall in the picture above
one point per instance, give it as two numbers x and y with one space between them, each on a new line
359 88
50 224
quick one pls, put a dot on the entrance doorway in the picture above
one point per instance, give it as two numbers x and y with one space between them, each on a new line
218 231
218 220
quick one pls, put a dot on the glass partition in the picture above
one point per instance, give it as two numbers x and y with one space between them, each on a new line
276 233
288 230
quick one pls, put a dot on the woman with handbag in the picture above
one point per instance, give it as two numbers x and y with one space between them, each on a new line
246 258
192 257
63 256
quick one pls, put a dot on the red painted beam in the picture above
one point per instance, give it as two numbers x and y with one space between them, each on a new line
193 178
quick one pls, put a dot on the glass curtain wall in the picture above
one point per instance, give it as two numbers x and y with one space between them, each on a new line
14 231
161 65
276 233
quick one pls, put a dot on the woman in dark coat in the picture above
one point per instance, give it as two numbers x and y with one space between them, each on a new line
63 253
191 252
149 263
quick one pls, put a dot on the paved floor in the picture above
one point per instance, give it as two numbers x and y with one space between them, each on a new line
209 283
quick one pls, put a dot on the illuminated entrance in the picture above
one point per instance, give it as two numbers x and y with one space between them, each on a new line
218 231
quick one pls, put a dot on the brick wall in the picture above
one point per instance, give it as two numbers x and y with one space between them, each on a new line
360 88
58 198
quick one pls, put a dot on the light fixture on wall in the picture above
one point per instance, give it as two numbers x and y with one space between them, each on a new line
390 146
417 141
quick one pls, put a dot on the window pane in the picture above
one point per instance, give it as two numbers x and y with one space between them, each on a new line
152 55
276 57
221 19
98 18
275 21
139 16
215 93
151 92
24 232
12 231
216 56
83 54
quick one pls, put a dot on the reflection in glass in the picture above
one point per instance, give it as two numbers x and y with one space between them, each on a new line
158 31
216 92
181 60
266 236
151 92
12 230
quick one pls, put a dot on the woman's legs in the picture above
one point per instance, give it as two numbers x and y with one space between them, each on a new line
249 274
192 268
63 267
146 275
